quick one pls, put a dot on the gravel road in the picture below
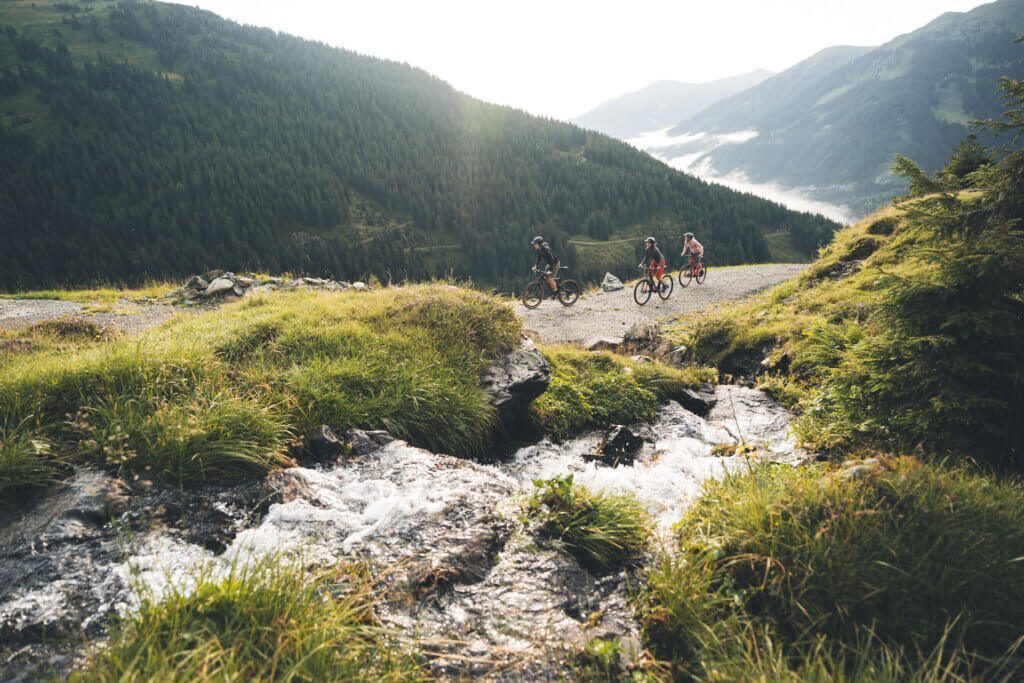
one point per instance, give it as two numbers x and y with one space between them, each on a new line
609 314
18 313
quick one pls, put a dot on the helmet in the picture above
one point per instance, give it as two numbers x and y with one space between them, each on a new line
651 240
536 240
688 235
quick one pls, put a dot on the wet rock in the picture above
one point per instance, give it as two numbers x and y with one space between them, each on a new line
99 498
365 442
322 446
284 486
54 578
699 401
207 515
610 283
521 622
464 563
620 446
603 343
513 381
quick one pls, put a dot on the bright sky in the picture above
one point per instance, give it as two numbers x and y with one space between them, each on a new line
561 58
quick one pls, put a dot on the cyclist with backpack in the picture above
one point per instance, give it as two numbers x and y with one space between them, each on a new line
654 260
545 255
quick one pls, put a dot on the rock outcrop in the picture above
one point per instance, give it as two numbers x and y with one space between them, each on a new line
216 285
513 381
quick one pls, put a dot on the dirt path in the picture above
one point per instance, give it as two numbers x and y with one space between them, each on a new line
609 314
18 313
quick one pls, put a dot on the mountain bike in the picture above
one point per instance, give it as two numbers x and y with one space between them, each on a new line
646 286
696 270
538 290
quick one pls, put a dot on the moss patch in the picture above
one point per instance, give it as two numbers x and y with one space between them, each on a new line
597 389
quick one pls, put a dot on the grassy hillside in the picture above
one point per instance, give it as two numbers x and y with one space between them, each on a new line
833 122
148 139
907 332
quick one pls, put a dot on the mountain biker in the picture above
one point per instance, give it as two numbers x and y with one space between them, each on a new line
695 248
544 254
654 259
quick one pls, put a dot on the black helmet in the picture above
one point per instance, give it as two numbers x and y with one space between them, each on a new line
651 240
536 240
688 235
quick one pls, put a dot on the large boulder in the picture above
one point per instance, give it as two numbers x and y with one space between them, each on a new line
513 381
220 285
610 283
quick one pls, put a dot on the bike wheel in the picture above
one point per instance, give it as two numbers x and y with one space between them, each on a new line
685 275
568 292
702 274
642 293
667 285
533 295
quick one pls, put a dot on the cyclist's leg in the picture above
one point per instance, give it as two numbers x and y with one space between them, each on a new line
550 275
658 272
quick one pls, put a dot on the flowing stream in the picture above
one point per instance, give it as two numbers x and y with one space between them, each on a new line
478 591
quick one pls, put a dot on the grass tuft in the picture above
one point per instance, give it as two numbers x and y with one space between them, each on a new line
28 462
882 569
602 531
270 622
597 389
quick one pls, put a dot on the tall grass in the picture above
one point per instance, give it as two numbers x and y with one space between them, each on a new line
602 531
888 570
219 395
27 462
270 622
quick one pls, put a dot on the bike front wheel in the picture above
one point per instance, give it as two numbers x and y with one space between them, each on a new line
568 292
702 274
533 295
667 285
642 292
685 275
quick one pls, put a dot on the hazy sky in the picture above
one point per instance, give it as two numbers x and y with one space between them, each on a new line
562 57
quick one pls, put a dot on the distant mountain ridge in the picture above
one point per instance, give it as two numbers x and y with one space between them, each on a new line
833 122
662 104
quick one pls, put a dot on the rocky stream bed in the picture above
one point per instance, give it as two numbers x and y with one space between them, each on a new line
469 581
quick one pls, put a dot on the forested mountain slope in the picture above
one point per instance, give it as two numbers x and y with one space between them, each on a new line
152 139
833 122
